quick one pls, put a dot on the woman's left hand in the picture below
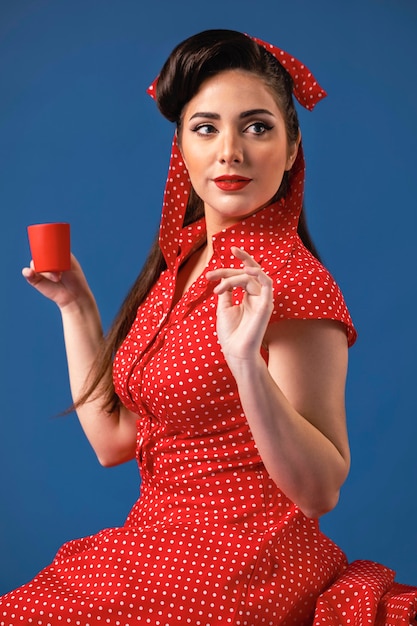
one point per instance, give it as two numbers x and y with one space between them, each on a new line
241 327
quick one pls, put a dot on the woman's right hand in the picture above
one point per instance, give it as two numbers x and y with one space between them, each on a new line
63 288
112 435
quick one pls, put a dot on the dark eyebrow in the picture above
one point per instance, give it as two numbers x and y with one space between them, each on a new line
210 116
253 112
243 115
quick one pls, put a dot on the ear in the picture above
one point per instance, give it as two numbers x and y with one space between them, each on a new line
292 152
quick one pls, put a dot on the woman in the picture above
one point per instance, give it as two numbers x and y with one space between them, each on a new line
229 361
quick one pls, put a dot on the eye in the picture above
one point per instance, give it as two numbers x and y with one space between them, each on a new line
258 128
204 129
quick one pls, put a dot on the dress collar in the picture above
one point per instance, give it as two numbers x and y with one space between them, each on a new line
270 232
177 189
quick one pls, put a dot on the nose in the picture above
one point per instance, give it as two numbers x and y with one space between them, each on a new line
230 148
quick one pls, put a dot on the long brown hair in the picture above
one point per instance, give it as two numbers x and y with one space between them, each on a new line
190 63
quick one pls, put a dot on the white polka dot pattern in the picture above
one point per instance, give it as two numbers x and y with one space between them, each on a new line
211 540
306 89
366 595
178 185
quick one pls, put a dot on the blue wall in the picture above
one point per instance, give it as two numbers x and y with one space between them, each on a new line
81 141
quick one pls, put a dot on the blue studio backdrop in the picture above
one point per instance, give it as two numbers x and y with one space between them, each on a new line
80 141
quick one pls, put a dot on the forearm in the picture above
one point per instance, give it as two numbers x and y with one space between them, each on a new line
302 461
110 435
82 335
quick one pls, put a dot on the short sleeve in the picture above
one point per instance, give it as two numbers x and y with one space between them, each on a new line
305 289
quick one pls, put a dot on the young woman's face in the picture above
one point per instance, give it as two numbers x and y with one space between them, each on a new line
234 144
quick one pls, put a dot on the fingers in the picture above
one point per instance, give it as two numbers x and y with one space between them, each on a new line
241 254
31 276
54 277
250 277
35 277
227 272
253 282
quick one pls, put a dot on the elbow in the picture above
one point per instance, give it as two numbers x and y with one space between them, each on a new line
325 500
111 459
106 461
320 506
115 450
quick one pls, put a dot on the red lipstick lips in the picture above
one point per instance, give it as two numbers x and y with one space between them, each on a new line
231 182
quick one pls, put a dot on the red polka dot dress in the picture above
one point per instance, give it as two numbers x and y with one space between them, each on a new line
212 539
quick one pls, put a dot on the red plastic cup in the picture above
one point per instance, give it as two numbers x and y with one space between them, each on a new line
50 246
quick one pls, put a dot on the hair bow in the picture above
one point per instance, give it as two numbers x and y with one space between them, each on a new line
306 90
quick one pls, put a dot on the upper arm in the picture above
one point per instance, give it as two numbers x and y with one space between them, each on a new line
308 361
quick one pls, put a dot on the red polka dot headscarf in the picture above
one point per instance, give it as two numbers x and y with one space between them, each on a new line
306 90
